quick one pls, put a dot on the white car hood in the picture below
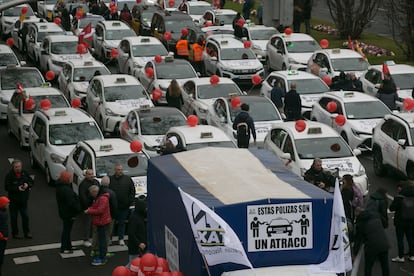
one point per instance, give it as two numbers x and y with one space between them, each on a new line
242 64
81 86
63 150
301 58
261 43
309 99
124 106
142 60
140 183
363 125
346 165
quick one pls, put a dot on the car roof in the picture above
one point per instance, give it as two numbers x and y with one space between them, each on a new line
293 75
159 110
109 146
206 81
139 40
62 38
340 53
114 25
294 37
5 49
192 135
226 41
78 63
351 96
395 69
66 115
117 80
408 117
313 130
46 26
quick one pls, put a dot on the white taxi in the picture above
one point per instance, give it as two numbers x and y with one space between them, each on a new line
76 74
259 36
199 95
79 25
402 74
283 50
54 133
330 62
362 113
110 98
226 56
10 16
7 57
199 136
195 9
262 110
135 51
219 17
393 145
19 117
45 8
299 149
309 87
149 125
57 50
101 156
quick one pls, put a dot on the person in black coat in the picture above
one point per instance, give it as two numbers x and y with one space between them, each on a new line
137 231
18 184
293 104
369 231
85 202
276 95
69 207
174 96
244 125
318 176
378 203
356 84
65 21
387 93
4 229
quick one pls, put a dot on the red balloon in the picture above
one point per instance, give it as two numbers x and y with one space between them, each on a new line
50 75
24 10
156 94
177 273
208 24
162 266
408 104
331 106
192 120
240 22
256 79
114 53
149 72
81 49
327 80
235 102
300 125
135 146
10 42
29 104
247 44
171 3
148 263
184 31
158 58
288 31
167 36
214 79
340 120
121 271
76 102
45 104
138 1
57 21
324 43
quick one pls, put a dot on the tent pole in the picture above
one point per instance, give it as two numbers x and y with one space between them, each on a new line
206 265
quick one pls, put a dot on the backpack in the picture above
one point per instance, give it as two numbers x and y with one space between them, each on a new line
407 208
242 130
358 200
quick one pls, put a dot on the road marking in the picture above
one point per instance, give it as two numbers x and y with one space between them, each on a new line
76 253
26 260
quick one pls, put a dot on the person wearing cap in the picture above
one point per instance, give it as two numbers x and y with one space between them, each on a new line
4 229
18 184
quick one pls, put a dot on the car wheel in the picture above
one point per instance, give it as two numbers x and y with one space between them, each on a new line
33 162
343 135
283 67
379 168
49 179
410 170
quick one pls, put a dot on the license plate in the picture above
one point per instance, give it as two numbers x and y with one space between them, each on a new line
245 77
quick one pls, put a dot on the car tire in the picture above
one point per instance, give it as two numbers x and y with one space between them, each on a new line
410 170
49 179
33 162
379 168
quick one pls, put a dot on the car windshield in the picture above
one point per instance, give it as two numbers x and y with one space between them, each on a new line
219 90
309 86
16 11
55 101
175 71
307 46
133 164
366 110
27 78
124 92
118 34
262 34
221 144
199 10
42 35
64 48
175 26
6 59
260 111
349 64
159 124
404 81
237 54
225 19
84 22
149 50
328 147
87 73
70 134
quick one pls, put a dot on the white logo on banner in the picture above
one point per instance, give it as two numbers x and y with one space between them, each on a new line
279 227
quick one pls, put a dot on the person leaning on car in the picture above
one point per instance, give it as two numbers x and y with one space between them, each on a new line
318 176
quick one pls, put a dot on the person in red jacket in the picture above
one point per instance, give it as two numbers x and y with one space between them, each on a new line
101 218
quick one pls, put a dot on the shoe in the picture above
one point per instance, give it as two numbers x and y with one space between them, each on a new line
122 242
28 236
411 258
109 254
399 260
87 243
67 251
99 261
17 237
74 248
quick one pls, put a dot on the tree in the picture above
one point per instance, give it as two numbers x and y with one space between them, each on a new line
351 16
401 19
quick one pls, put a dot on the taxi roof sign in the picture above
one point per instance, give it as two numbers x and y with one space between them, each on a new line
348 94
206 135
116 23
224 42
120 80
293 72
145 40
43 27
88 63
314 130
169 59
336 51
389 62
60 113
106 147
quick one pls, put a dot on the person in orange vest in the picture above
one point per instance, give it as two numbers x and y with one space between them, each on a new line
182 45
196 54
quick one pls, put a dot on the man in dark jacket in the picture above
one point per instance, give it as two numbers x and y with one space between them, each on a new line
378 203
318 176
69 207
276 95
369 231
387 93
85 203
124 188
137 231
244 125
293 104
18 184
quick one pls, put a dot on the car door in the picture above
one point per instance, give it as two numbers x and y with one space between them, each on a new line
211 58
402 153
132 126
278 54
289 147
13 113
219 116
319 112
31 42
188 97
44 54
92 98
390 145
123 56
63 80
98 38
371 78
38 140
144 79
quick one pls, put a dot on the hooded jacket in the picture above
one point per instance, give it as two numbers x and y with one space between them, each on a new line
67 200
100 210
388 94
396 204
376 204
137 228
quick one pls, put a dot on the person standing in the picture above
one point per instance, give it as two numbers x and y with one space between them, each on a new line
174 96
293 104
378 203
137 231
387 93
247 6
298 14
69 207
196 55
113 207
277 95
347 193
4 229
356 84
244 125
18 184
307 10
85 203
124 188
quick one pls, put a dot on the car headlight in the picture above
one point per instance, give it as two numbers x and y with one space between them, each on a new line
4 100
109 112
26 128
57 158
361 171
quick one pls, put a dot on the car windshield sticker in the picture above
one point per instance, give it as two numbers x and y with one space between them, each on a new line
279 227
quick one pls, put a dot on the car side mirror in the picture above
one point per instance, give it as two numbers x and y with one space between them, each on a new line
22 63
286 155
402 142
357 152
